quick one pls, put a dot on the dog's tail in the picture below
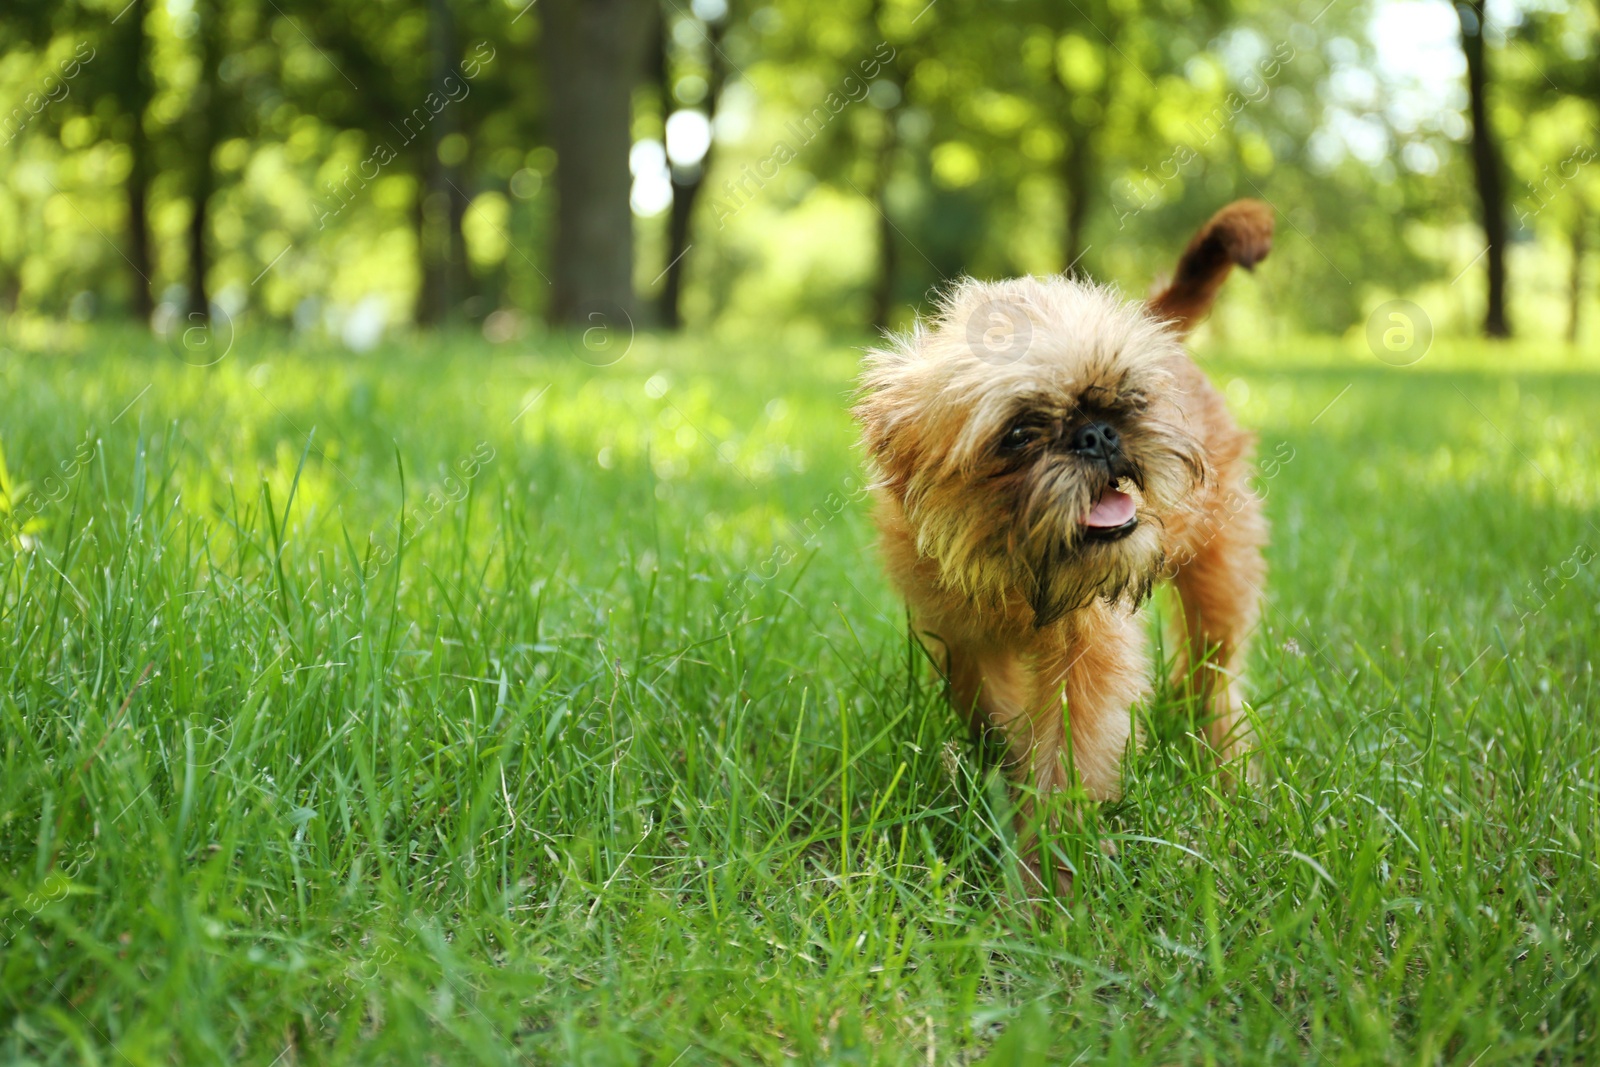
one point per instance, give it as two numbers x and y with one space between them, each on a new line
1240 233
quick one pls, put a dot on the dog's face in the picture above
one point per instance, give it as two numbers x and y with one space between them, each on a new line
1030 435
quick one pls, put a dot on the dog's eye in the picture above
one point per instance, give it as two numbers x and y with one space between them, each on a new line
1019 437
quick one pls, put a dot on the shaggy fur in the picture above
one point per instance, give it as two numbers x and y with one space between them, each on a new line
974 425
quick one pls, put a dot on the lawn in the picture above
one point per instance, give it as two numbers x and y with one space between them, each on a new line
467 704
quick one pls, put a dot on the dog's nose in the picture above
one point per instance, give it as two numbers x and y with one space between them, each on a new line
1096 439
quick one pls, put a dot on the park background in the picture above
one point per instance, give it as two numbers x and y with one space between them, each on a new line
439 613
360 169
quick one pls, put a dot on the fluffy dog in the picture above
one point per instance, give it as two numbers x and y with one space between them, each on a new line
1044 452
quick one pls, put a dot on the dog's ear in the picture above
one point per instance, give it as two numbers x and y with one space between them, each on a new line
1240 233
882 405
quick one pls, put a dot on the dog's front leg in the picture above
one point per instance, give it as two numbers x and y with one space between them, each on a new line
1065 711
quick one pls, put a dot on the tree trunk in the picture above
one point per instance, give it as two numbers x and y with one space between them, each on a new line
205 103
888 252
137 187
1078 160
1575 279
1486 164
439 241
687 181
593 54
1076 165
429 283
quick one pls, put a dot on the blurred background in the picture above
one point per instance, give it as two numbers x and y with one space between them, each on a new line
352 169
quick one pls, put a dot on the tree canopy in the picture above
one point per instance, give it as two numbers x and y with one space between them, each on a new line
353 168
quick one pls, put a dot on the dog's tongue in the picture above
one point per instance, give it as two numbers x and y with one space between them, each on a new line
1113 509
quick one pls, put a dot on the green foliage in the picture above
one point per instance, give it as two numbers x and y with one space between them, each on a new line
461 705
918 142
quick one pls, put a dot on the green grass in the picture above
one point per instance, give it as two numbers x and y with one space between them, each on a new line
620 753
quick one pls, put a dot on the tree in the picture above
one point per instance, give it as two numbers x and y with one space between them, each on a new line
883 155
1549 77
687 180
593 53
1486 165
1575 278
1081 84
442 202
883 285
394 76
109 82
135 62
205 117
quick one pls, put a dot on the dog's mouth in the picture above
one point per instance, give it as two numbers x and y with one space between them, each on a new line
1112 517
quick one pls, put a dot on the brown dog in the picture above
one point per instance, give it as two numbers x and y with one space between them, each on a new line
1044 452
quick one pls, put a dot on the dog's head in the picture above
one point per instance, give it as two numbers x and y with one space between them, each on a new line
1030 435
